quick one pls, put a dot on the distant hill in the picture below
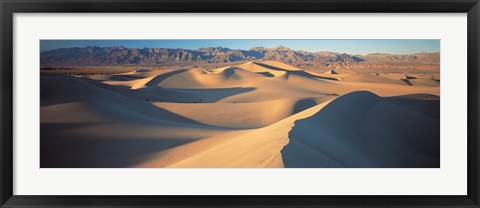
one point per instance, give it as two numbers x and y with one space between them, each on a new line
120 55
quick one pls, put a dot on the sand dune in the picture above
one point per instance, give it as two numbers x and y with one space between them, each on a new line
279 65
248 148
264 70
324 135
132 84
255 114
371 78
344 136
242 115
199 78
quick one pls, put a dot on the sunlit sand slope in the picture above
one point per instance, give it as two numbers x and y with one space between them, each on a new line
372 133
255 114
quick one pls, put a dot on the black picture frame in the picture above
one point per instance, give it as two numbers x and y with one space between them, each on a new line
9 7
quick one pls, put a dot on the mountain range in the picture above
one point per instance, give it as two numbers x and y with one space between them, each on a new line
120 55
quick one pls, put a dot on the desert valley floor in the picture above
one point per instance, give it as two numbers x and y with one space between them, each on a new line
252 115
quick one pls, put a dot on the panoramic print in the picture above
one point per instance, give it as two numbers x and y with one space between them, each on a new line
239 103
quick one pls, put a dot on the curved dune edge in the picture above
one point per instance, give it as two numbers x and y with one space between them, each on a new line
372 133
258 148
242 115
323 136
309 139
237 116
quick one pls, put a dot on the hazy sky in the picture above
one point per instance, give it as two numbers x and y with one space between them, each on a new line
343 46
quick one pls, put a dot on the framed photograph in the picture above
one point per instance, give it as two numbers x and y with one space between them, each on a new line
269 103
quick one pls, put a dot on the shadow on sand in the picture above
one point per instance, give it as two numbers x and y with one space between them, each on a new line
299 72
362 130
58 151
